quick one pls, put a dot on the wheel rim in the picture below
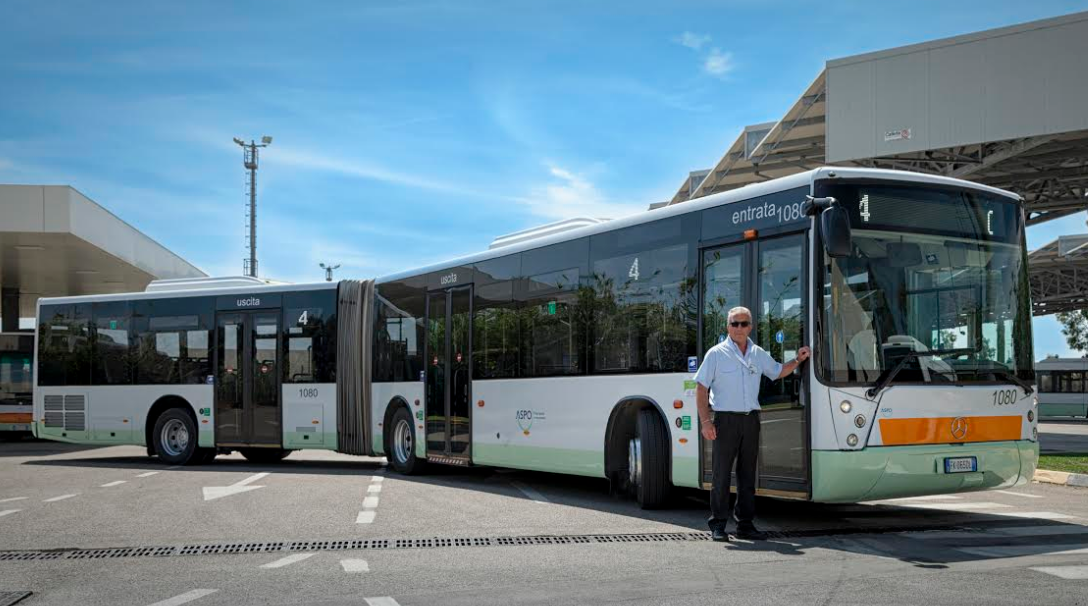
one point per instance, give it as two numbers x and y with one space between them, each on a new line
402 441
634 461
174 438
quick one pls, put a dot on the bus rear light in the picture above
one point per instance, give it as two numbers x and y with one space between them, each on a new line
417 402
750 234
1034 434
846 406
316 422
683 440
677 403
480 403
1031 416
859 421
852 440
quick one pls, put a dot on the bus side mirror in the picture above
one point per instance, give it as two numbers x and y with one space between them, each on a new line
834 225
835 231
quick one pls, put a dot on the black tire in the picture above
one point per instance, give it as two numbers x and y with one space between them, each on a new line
652 486
403 459
175 438
264 455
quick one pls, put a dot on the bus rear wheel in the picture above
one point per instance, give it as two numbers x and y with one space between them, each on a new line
174 438
400 444
264 455
648 461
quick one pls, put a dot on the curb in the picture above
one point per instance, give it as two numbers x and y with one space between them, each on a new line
1061 477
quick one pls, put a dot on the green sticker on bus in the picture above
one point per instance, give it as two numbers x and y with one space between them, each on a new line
685 423
551 308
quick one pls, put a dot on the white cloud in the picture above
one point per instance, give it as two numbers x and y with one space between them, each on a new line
717 63
692 40
570 195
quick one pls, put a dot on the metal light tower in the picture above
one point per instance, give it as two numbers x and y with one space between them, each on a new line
249 160
328 270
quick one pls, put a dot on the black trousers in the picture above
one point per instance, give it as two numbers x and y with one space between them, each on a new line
738 440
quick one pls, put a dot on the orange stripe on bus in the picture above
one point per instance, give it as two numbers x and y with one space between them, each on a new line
949 430
15 417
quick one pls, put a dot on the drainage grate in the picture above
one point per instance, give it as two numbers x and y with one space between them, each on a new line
433 543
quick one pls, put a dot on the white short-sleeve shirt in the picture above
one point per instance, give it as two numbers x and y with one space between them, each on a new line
733 378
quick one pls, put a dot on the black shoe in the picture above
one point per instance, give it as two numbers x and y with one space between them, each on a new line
751 534
718 534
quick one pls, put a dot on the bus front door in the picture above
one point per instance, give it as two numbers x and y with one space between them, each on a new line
449 375
247 381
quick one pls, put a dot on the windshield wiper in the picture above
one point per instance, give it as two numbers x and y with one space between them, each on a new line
886 377
1012 378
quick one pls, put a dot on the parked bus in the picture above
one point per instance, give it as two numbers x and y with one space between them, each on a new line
16 384
575 352
1062 389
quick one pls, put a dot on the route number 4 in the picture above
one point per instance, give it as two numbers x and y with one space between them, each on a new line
304 318
633 272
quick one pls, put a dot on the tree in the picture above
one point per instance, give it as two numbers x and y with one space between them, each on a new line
1075 328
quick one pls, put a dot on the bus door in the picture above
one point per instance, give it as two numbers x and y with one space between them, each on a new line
247 380
449 375
766 276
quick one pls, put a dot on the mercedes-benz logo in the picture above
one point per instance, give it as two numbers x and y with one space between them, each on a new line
959 428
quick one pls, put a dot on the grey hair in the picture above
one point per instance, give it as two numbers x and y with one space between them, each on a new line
739 310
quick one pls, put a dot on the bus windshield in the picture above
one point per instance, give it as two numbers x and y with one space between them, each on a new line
931 269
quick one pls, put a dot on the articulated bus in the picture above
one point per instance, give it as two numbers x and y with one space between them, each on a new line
1063 387
16 383
575 352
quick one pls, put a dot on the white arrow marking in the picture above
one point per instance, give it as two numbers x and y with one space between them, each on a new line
61 498
12 499
9 512
355 565
185 598
215 492
386 601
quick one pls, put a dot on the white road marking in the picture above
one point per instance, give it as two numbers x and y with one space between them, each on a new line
384 601
1020 494
291 559
377 479
1039 515
370 503
959 506
530 492
175 467
374 488
10 499
1012 551
185 598
355 566
61 498
148 474
116 483
1073 573
365 517
215 492
9 511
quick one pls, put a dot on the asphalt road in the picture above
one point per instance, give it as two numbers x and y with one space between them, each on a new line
1071 436
111 526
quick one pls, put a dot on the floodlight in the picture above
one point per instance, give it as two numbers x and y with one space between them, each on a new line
266 140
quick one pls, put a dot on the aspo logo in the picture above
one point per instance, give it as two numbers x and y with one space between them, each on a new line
526 418
250 302
959 428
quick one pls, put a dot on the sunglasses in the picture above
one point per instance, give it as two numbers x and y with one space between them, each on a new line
741 324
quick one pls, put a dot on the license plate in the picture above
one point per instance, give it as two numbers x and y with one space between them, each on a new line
960 465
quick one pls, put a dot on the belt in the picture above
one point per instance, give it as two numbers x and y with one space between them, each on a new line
732 412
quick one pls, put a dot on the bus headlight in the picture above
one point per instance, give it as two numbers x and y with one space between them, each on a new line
1031 415
859 421
846 406
852 440
1034 434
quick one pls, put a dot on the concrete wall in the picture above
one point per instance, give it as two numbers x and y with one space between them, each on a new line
1020 81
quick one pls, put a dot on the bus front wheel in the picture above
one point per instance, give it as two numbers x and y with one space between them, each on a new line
174 438
648 461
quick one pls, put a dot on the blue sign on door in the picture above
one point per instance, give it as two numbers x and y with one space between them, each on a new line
780 336
693 363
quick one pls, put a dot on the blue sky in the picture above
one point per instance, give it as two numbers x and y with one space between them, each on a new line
406 133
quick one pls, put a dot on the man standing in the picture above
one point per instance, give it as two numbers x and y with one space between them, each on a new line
728 401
